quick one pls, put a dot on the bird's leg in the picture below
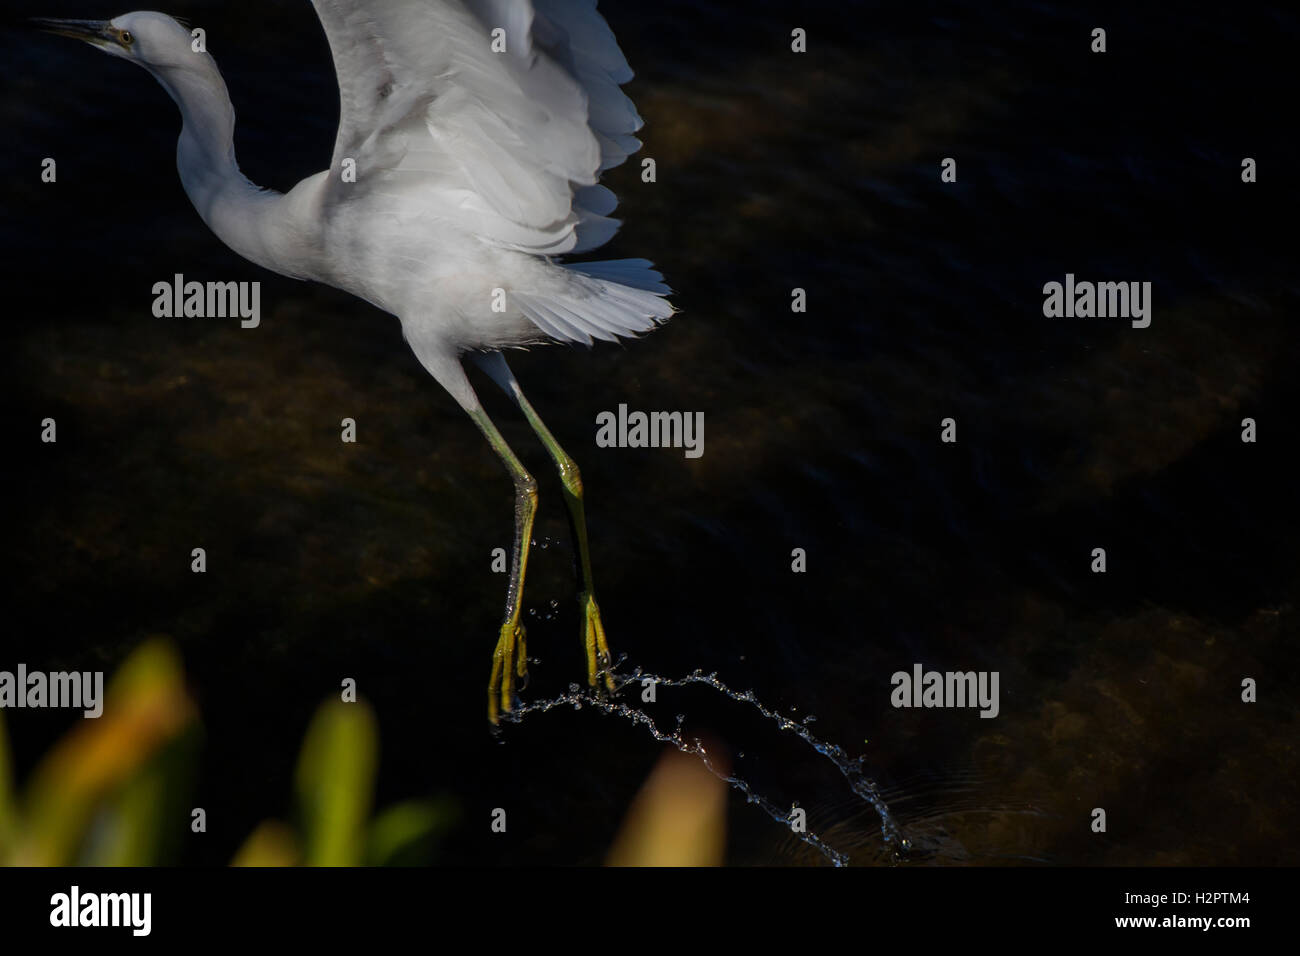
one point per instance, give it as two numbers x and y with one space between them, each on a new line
510 659
598 660
593 631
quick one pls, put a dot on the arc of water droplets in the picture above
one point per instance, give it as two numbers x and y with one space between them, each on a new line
850 768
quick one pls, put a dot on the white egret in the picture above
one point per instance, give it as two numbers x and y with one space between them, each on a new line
471 137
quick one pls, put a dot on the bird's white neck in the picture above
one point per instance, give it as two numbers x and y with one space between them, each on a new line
250 220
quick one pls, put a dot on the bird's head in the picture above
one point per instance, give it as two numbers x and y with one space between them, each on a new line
152 40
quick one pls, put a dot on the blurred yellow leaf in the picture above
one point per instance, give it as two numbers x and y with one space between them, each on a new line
271 844
335 783
678 818
8 802
146 706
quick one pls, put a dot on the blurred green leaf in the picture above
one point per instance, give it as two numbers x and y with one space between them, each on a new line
144 821
335 783
113 790
405 834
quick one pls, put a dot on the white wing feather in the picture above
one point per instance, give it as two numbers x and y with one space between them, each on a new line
506 146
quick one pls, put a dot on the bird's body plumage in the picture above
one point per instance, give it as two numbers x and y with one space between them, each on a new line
472 135
457 171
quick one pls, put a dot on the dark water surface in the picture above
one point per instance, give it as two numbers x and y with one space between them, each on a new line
775 171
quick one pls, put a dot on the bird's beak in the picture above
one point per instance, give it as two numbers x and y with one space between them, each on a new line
95 32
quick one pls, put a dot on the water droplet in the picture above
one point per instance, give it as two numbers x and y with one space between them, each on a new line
851 767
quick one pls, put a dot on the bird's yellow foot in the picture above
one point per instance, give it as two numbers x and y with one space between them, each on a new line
510 659
593 634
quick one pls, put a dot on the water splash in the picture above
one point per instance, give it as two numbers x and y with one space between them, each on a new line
851 768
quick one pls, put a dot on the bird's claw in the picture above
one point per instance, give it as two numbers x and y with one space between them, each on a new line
593 635
509 660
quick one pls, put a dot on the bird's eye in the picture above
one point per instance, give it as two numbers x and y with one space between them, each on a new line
127 39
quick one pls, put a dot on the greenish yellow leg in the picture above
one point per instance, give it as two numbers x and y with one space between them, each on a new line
598 659
510 659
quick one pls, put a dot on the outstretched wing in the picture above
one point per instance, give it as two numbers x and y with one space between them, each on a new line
506 145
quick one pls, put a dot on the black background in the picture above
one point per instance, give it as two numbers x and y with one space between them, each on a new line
775 171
